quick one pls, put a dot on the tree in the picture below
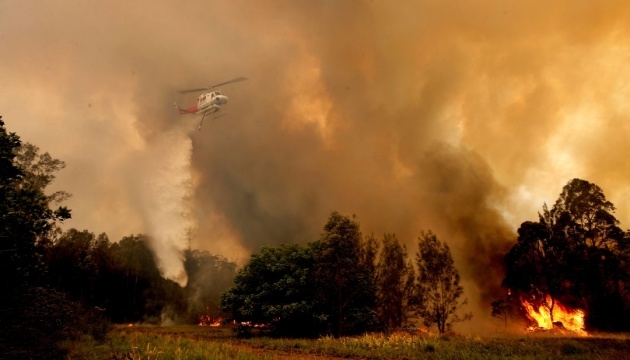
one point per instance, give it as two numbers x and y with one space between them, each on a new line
345 289
209 276
438 284
392 279
140 292
71 266
39 170
575 253
275 289
532 267
369 251
25 220
586 215
501 309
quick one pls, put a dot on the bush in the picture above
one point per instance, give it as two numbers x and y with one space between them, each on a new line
40 318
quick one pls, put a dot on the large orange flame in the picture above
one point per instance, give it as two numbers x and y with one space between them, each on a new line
571 319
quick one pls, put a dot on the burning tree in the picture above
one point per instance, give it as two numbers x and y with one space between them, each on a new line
572 257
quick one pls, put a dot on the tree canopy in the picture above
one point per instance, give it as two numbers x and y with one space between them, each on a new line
275 288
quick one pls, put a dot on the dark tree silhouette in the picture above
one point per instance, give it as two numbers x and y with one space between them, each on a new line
345 289
393 280
438 288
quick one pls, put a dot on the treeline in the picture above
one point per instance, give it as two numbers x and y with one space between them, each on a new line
58 286
575 254
123 280
344 284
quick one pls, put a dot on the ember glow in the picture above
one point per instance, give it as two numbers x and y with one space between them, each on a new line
207 320
571 319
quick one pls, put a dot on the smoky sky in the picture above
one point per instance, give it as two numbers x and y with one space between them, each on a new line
459 117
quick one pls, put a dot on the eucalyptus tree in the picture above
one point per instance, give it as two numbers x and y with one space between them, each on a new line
438 288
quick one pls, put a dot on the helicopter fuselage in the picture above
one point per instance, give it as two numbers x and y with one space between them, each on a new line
211 101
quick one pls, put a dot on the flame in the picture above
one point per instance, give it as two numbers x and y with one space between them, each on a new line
571 319
207 320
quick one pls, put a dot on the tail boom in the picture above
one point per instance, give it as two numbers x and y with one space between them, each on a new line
191 110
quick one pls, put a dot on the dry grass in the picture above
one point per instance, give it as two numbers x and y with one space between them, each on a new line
194 342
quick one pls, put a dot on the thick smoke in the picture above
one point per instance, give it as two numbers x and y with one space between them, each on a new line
456 116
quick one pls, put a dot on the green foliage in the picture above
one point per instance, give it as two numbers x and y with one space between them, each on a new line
120 280
327 287
275 289
138 291
438 288
26 225
395 280
71 265
46 317
369 251
39 170
345 288
123 278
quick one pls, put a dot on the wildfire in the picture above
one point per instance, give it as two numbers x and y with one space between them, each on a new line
207 320
562 316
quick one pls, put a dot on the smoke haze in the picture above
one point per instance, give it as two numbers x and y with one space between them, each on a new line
456 116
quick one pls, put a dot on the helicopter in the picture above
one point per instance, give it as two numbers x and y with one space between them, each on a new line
209 102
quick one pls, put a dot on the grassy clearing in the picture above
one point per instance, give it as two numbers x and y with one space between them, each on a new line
193 342
402 346
153 342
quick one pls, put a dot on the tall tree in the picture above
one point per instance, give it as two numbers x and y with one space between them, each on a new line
346 292
574 253
26 221
393 275
438 284
137 278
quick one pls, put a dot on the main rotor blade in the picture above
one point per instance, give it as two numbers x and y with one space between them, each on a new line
228 82
213 86
192 90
